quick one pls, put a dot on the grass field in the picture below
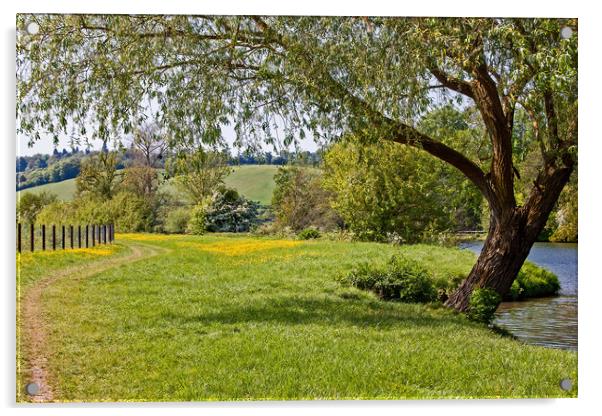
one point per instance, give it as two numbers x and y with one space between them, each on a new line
256 182
64 189
224 317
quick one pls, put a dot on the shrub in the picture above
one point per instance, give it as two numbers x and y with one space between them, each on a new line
482 305
308 234
402 279
196 223
533 281
230 212
29 205
365 276
57 212
129 212
177 220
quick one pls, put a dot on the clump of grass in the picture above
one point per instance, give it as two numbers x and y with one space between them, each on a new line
309 234
401 279
533 282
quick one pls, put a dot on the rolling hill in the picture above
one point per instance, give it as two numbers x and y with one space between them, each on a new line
255 182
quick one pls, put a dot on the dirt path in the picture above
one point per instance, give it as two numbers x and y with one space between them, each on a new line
33 325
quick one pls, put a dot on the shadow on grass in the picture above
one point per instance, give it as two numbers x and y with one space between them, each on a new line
325 311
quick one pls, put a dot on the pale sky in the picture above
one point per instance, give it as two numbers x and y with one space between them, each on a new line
45 145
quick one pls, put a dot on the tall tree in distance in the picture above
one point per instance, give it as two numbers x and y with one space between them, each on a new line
371 77
149 143
200 172
98 176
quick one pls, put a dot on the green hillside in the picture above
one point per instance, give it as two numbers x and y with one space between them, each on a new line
255 182
65 189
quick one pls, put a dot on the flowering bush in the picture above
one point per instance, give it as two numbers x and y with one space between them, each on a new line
230 212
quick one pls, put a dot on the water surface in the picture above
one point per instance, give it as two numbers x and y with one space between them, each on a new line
552 321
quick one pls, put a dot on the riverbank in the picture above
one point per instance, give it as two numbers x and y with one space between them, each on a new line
239 317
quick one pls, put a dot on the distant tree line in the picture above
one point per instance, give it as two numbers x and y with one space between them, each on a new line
282 158
40 169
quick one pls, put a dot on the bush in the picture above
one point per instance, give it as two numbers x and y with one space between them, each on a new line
365 276
176 221
390 193
196 223
482 305
129 212
402 279
533 281
29 205
230 212
308 234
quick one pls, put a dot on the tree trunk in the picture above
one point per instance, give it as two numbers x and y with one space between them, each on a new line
507 246
512 233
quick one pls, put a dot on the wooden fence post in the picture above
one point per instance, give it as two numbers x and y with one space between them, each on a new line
71 235
19 237
31 236
79 236
53 237
43 237
87 235
63 239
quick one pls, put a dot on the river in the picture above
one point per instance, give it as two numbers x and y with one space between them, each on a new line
552 321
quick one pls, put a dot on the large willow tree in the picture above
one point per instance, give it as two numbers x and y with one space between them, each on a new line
99 77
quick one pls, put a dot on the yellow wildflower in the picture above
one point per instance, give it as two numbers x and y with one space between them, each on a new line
147 237
241 247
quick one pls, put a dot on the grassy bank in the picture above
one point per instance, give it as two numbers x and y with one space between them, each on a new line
232 317
448 266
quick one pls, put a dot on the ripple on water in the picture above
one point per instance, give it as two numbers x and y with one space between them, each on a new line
552 321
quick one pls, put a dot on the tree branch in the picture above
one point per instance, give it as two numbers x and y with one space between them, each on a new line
391 129
454 84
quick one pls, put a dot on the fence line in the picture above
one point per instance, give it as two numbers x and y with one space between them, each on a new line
100 233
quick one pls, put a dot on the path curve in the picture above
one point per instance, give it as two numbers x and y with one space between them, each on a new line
32 315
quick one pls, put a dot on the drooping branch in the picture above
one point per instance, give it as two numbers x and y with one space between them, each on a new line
390 129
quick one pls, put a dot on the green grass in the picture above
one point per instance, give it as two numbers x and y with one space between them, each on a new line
224 317
64 189
255 182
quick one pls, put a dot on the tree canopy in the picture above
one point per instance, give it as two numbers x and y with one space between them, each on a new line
375 76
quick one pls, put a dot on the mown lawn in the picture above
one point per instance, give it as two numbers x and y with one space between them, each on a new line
243 318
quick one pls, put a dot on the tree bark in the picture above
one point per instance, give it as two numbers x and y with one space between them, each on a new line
511 235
